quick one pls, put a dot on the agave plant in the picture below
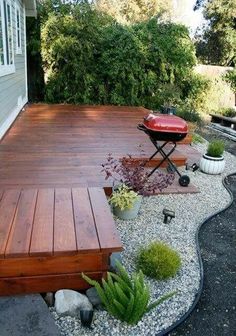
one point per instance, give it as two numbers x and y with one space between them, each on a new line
124 297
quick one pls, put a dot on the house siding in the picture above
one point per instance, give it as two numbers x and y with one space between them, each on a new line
13 87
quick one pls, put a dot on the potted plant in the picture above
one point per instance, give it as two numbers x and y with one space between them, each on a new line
213 161
125 202
130 182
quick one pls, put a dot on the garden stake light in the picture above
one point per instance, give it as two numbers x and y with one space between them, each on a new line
168 215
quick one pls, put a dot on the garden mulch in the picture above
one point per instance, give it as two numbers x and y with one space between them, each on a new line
214 314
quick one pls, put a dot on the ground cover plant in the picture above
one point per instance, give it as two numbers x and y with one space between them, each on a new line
125 297
158 261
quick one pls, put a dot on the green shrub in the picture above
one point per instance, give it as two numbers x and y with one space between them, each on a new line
216 148
227 112
158 261
188 115
123 297
123 197
89 58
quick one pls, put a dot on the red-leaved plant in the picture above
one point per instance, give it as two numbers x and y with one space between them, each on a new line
133 173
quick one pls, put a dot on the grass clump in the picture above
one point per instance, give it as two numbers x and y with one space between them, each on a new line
215 148
158 261
125 297
196 138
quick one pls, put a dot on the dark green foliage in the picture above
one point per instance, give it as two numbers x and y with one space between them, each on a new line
34 61
188 115
124 297
158 261
91 59
230 77
216 148
217 43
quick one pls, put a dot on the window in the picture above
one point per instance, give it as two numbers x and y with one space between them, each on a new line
18 31
6 39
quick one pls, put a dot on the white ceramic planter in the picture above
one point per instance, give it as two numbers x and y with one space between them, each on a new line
212 165
128 213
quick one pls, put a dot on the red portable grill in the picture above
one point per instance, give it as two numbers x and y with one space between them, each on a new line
167 128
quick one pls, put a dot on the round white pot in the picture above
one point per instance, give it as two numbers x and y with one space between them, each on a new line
212 165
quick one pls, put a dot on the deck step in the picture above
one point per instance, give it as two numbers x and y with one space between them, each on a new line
49 236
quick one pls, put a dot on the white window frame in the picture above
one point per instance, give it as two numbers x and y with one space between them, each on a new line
6 69
18 30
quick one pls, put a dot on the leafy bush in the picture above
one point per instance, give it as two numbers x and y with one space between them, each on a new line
123 197
91 59
134 175
158 261
227 112
189 115
123 297
216 148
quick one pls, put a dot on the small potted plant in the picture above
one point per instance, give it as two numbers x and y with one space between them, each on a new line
213 161
125 202
130 182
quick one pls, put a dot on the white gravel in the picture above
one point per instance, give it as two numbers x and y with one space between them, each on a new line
191 210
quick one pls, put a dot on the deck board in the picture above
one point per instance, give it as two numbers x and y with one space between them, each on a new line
20 235
64 227
107 233
86 233
7 212
42 233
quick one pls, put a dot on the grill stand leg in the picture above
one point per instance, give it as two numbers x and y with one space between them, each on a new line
164 155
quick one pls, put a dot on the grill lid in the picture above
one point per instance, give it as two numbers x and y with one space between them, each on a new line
165 123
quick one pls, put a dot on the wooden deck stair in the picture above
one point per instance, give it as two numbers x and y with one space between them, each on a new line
49 236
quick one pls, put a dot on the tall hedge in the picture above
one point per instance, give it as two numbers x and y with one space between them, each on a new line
91 59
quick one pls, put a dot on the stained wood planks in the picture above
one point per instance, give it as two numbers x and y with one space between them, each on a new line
48 237
20 235
55 222
65 145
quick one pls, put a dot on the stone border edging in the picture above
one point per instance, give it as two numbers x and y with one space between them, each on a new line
199 293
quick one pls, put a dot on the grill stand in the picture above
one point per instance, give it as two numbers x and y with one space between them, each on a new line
184 180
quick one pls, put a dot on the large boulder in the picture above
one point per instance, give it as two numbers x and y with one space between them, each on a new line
69 302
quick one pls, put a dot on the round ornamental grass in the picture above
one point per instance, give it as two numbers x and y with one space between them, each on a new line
158 261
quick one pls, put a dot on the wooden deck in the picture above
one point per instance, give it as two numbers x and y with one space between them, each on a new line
54 218
65 145
49 236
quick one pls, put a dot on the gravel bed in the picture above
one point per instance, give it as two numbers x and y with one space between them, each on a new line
191 210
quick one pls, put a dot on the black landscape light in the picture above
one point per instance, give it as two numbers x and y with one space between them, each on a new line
168 215
86 317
